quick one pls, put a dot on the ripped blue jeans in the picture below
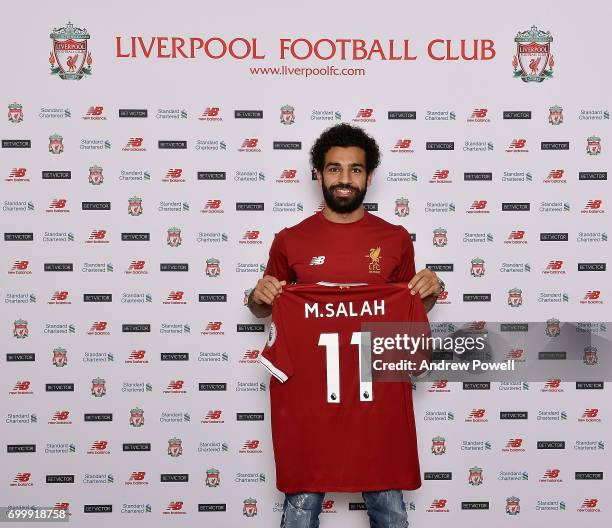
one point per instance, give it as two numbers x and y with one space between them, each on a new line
386 509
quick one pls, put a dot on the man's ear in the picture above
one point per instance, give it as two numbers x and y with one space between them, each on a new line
369 179
319 176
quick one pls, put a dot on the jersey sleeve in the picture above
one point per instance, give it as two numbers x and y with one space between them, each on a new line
406 268
275 355
278 263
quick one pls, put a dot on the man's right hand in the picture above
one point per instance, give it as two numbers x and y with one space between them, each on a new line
261 298
267 289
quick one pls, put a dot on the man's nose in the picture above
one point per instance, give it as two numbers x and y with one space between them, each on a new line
345 175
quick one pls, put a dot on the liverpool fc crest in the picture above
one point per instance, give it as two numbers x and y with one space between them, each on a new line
69 57
95 175
20 330
402 207
250 507
475 478
533 61
135 206
553 327
15 113
60 358
136 417
593 145
212 478
478 267
56 144
174 237
213 267
515 297
287 115
513 505
556 115
590 355
439 237
175 447
98 387
438 446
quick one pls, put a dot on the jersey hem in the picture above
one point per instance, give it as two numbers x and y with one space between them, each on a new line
358 489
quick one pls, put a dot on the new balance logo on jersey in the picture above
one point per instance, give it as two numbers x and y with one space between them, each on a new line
317 261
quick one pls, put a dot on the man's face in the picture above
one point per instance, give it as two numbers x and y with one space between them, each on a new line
344 179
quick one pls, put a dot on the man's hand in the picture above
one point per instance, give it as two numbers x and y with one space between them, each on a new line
262 297
425 283
267 289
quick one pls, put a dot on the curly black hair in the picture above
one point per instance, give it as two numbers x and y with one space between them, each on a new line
345 135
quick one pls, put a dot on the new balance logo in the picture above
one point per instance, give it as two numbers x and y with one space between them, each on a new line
317 261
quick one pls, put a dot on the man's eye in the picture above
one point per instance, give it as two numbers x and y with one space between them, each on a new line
356 169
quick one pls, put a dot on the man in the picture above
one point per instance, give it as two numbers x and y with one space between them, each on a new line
343 244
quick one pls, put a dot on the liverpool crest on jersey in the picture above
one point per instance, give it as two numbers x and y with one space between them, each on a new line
375 258
533 61
69 56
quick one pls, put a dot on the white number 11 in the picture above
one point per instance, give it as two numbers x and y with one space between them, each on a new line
331 342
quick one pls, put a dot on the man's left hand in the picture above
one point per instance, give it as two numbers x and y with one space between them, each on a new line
425 283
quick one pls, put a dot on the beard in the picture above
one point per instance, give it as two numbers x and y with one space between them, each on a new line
343 204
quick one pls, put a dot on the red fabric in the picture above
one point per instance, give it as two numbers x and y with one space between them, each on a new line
346 248
351 445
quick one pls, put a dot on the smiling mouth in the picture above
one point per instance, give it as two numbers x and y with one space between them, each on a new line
343 192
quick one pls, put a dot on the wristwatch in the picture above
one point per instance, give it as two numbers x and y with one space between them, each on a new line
442 287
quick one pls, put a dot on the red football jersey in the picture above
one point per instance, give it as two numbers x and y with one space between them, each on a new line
370 250
331 430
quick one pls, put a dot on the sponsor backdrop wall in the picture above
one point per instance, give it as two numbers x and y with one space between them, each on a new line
151 151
